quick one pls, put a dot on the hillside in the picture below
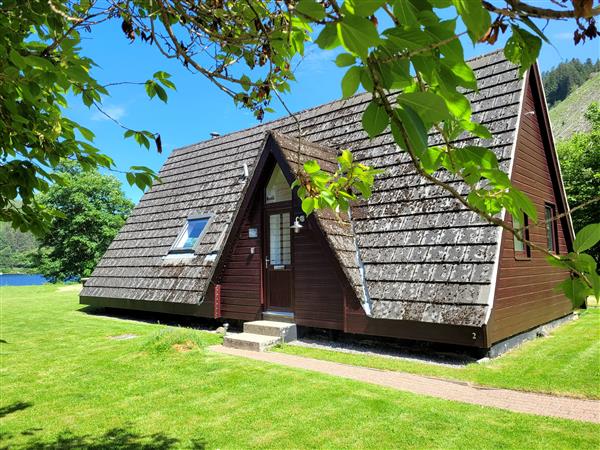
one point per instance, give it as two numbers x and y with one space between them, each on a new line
567 116
16 249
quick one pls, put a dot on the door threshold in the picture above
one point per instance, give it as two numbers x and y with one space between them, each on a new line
278 316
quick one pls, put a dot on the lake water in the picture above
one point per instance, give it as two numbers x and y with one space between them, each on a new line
9 279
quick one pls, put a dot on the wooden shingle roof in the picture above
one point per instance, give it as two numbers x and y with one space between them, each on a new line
411 252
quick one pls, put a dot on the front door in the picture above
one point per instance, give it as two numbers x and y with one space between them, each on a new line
278 259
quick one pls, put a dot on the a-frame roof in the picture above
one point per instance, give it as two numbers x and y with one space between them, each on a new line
414 253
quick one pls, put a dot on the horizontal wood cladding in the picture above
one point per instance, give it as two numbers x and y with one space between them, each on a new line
319 294
240 277
525 295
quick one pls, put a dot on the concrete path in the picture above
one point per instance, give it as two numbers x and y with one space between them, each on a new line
522 402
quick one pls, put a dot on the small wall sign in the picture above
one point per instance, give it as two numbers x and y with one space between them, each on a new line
252 233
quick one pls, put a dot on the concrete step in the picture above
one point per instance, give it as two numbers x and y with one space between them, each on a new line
249 341
272 328
278 316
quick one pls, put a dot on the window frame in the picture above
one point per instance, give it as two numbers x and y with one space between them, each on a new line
175 249
525 254
553 228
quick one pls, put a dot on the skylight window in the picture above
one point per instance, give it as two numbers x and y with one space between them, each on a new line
192 231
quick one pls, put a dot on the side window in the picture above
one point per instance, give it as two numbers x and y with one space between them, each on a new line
551 228
522 251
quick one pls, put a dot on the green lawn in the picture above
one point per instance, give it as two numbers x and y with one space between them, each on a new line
64 385
567 362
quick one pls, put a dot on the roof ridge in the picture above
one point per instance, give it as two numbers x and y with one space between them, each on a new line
305 110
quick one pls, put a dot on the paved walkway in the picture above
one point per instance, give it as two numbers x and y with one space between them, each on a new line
522 402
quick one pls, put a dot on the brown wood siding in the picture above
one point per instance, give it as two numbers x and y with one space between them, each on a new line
525 295
241 275
319 294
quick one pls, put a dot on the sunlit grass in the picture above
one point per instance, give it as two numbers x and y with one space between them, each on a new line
66 383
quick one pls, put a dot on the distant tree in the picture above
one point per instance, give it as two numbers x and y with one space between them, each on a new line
563 79
248 50
16 250
91 208
580 164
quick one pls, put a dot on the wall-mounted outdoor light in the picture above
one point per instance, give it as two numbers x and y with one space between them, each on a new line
297 225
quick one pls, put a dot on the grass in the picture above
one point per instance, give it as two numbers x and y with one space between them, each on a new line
65 384
567 362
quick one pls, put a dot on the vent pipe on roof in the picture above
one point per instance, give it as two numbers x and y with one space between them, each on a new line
214 134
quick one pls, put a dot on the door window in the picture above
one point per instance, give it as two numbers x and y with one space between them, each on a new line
279 239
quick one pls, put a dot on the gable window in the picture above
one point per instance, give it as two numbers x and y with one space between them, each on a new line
191 233
278 189
522 251
551 228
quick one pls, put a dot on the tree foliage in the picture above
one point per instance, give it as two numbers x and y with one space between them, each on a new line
16 250
403 52
40 67
563 79
90 210
580 163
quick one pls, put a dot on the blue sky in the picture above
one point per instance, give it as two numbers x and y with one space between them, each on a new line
198 107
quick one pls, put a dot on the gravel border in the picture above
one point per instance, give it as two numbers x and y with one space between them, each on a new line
386 351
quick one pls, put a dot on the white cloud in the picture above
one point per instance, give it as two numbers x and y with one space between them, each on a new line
564 36
316 60
114 111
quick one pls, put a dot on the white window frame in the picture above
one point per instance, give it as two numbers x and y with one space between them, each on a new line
176 249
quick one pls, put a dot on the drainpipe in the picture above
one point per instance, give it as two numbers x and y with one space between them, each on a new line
366 301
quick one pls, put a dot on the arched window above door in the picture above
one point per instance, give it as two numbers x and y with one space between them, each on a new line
278 189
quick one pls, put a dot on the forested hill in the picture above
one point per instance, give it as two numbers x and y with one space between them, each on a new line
16 250
567 117
565 78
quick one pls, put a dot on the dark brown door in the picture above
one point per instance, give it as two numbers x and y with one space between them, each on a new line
278 259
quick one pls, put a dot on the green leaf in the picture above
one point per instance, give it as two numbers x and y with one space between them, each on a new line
311 8
406 13
357 35
17 59
86 133
162 94
364 7
595 281
523 203
415 130
430 107
475 17
150 88
345 159
575 290
345 59
522 48
308 205
351 81
587 237
375 119
311 166
38 61
328 37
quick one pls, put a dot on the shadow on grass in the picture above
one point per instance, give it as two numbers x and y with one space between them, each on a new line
116 438
14 407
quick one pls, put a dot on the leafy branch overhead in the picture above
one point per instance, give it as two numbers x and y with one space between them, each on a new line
405 53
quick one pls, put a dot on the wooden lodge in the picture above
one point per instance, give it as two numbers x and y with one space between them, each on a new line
224 237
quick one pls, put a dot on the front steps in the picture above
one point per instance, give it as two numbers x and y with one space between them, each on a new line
260 335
